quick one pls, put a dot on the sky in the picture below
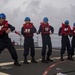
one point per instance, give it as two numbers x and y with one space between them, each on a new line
56 10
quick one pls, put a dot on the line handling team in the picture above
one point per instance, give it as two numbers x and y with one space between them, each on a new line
28 29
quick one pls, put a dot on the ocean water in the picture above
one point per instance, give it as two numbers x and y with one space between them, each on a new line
56 40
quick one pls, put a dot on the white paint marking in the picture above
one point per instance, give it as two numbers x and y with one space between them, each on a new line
10 63
7 63
3 73
38 49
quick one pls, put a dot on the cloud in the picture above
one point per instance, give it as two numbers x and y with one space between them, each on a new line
3 2
56 10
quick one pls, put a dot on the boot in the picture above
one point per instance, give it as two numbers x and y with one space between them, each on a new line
17 63
72 58
61 59
34 61
69 57
43 60
48 59
25 60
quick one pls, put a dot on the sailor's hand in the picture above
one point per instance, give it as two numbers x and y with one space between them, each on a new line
51 33
25 31
8 31
28 30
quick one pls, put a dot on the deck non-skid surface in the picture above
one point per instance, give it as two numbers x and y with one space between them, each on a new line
52 68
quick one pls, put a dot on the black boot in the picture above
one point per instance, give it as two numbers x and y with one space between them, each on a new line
48 59
25 60
72 58
61 59
43 60
33 60
69 57
17 63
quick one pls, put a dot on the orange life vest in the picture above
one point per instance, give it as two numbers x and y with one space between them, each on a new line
28 27
45 28
3 27
65 30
